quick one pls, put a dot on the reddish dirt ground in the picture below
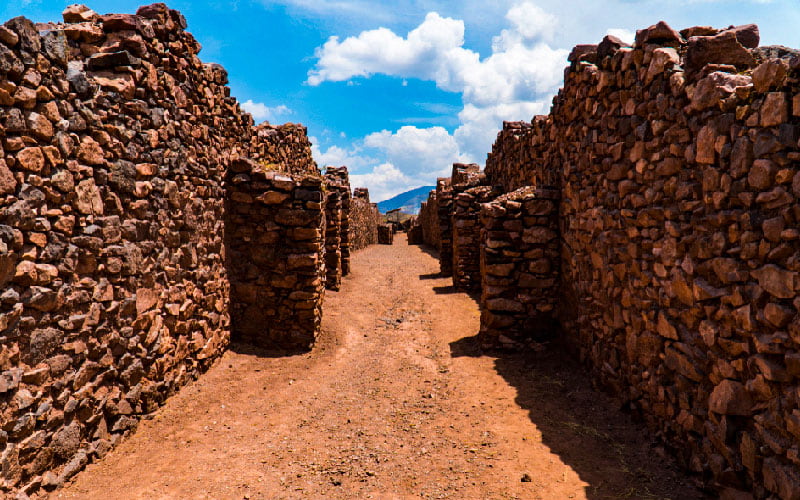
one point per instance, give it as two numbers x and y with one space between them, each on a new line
395 402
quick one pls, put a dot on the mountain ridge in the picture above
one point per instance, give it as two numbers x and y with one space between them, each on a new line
408 202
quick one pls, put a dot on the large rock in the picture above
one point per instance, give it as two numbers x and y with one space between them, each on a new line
78 13
723 48
659 34
730 397
776 281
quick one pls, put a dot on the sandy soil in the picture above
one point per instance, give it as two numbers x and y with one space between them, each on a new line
395 402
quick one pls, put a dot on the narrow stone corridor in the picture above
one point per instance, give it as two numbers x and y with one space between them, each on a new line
395 401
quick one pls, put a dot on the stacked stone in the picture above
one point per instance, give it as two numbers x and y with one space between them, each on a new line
680 270
464 177
414 231
514 162
385 234
520 261
284 147
334 226
467 234
444 207
113 287
275 226
364 220
333 239
340 180
429 220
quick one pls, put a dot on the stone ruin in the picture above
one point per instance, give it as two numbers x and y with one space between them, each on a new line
364 220
144 222
385 234
650 223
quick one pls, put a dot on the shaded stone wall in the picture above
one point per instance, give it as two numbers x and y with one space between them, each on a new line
429 220
444 207
520 263
343 177
334 220
677 161
275 229
113 287
466 232
385 234
364 220
283 147
415 233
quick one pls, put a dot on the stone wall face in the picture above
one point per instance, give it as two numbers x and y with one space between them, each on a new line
467 233
364 220
337 188
681 234
429 220
113 285
444 207
340 178
283 147
520 263
514 162
677 163
385 234
275 237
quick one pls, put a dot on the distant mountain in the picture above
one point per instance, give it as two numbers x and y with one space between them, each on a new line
408 202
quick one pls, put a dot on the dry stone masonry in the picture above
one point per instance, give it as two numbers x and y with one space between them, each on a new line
276 248
428 220
338 179
652 219
364 220
444 207
520 259
337 227
283 147
143 222
466 231
385 234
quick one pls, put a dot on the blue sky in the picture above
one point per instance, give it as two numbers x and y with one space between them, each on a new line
408 87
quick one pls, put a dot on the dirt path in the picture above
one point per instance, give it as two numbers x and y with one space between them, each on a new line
395 402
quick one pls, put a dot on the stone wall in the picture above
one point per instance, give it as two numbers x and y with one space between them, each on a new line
415 234
677 161
444 207
340 178
143 222
113 287
337 227
520 261
428 220
385 234
284 147
275 229
364 220
467 232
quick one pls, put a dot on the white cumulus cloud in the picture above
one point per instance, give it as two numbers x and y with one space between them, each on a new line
384 181
514 82
530 21
626 36
261 112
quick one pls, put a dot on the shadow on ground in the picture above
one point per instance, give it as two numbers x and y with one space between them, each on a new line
606 447
261 352
430 276
429 250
